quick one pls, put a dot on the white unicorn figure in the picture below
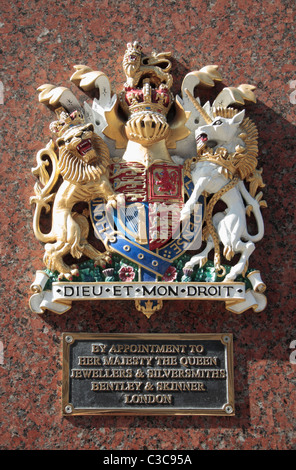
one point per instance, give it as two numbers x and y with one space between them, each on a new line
227 150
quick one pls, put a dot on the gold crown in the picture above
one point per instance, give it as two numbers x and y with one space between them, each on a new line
134 47
146 99
240 163
221 157
65 121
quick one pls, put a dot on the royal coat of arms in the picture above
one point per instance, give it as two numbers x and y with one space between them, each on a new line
133 184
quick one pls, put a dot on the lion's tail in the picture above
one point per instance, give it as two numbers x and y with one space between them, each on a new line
43 195
42 237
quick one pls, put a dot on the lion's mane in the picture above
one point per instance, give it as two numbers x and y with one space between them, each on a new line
75 170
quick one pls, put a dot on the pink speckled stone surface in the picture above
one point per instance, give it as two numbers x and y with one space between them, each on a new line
252 42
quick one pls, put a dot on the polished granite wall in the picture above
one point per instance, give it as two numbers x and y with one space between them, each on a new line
252 42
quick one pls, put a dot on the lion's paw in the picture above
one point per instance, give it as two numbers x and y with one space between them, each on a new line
67 276
102 260
116 199
74 270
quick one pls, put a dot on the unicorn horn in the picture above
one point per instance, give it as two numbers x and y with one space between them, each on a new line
198 107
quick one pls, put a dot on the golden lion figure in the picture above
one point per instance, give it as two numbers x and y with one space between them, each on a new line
136 65
83 165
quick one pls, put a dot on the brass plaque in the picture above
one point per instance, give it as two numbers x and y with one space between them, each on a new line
148 374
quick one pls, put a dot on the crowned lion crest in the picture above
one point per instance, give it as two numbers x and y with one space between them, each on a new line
132 186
